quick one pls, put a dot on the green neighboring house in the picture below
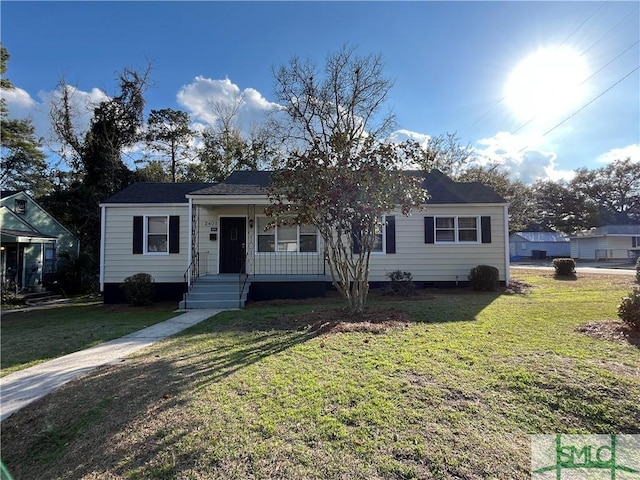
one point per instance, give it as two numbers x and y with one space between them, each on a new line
32 242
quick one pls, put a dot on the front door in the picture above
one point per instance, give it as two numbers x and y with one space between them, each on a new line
233 240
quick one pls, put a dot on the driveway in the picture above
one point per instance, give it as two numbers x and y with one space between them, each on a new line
610 268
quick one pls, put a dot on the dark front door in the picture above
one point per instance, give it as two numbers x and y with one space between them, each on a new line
233 240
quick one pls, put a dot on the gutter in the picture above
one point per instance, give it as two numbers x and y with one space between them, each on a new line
507 256
103 217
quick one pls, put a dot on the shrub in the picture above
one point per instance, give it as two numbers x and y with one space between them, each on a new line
9 295
629 309
401 283
484 277
638 270
564 267
138 289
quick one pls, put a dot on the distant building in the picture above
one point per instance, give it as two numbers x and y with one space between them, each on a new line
32 241
539 245
611 242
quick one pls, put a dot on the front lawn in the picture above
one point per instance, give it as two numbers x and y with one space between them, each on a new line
451 390
33 337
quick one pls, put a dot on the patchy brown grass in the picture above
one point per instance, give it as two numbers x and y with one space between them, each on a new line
374 320
453 393
611 330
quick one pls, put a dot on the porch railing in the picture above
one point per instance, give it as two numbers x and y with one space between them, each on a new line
289 263
190 275
242 279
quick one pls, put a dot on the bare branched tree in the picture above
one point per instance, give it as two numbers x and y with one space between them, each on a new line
340 176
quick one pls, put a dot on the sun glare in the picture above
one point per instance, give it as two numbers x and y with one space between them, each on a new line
547 83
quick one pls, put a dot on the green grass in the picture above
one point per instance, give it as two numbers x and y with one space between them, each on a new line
33 337
253 394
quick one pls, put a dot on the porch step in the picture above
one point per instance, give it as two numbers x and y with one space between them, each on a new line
215 291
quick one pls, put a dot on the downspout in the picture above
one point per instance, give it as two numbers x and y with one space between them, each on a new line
190 243
103 242
507 258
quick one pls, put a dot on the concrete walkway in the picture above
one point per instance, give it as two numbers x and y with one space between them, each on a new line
23 387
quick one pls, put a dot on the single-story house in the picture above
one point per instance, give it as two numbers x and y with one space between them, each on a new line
211 240
611 242
539 245
32 241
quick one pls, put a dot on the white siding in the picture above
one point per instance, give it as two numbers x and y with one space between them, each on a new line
120 262
584 248
441 262
426 262
618 247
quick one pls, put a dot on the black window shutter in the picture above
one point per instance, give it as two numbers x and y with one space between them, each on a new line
634 242
355 233
138 232
390 232
429 236
174 234
485 226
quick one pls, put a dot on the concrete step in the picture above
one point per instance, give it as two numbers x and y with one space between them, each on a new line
210 287
195 304
215 292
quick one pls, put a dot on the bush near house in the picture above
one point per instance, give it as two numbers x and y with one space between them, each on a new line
484 277
138 289
400 283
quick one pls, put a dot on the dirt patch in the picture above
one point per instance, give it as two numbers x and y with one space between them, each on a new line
611 330
618 368
373 320
517 287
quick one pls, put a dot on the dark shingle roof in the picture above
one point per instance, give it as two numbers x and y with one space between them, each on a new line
442 190
152 192
8 193
440 187
250 182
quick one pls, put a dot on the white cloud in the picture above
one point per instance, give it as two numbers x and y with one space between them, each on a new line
521 156
18 100
21 105
402 135
630 151
198 97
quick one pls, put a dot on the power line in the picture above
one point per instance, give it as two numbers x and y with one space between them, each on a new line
611 29
581 83
584 22
585 105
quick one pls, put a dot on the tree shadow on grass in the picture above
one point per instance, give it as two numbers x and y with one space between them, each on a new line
102 419
124 418
565 278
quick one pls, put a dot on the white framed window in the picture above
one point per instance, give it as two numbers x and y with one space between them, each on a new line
379 237
285 238
457 229
156 235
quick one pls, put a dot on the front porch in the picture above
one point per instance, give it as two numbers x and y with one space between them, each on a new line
235 257
234 290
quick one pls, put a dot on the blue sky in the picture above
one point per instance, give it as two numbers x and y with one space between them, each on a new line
451 63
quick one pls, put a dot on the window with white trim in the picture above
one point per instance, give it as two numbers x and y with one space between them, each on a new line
285 238
378 237
156 235
456 229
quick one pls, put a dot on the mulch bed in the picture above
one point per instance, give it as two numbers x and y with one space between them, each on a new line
373 320
611 330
